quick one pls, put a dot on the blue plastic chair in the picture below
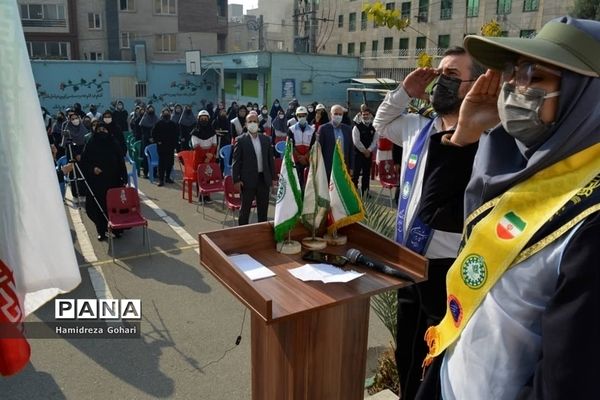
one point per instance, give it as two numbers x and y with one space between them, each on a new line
132 176
225 154
151 152
280 147
61 162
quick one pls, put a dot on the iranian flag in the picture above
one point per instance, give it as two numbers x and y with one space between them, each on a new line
37 259
510 226
346 205
289 197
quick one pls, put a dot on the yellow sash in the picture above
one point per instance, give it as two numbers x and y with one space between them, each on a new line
498 238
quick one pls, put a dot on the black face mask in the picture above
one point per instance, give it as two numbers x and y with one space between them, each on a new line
166 117
151 112
444 96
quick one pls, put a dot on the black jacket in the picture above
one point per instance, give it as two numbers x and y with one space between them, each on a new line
245 167
165 134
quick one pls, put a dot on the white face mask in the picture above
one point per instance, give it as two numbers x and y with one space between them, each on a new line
337 119
310 109
302 120
76 122
107 120
252 127
281 116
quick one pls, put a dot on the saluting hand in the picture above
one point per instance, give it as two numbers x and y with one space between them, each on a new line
479 109
417 81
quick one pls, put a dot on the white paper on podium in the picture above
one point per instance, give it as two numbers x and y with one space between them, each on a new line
249 266
326 273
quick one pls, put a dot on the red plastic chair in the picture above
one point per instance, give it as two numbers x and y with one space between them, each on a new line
188 158
233 199
123 206
388 177
210 180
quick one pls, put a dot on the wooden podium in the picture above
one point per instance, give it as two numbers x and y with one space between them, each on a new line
309 339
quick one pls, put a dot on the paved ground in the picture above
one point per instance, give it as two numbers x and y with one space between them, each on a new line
190 322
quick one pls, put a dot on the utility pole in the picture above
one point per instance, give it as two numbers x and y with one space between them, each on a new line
312 35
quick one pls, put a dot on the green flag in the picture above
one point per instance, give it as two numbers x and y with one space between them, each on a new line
289 197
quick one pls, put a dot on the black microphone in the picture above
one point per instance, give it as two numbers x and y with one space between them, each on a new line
356 257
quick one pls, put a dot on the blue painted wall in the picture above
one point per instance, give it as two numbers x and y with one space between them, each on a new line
60 84
282 76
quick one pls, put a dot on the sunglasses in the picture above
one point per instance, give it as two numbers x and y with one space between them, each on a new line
524 73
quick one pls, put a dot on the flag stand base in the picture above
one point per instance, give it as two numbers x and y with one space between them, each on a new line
316 243
336 240
289 247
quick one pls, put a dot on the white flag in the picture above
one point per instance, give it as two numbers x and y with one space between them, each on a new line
316 191
37 259
289 196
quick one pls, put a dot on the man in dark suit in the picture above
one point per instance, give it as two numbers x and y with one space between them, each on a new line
253 170
329 133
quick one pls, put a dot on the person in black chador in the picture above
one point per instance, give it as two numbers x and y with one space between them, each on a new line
103 167
187 122
165 135
147 122
120 115
114 130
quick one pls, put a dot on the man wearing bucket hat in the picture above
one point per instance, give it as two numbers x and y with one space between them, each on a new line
523 296
411 131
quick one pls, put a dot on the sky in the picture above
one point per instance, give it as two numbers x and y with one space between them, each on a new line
248 4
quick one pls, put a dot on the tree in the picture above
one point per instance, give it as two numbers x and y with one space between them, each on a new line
384 17
586 9
491 28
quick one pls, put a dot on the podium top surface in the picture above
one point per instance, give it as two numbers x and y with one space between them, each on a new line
283 295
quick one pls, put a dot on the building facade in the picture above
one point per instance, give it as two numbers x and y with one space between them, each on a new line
108 29
434 26
51 29
277 25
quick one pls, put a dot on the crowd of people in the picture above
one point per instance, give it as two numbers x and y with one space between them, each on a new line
77 135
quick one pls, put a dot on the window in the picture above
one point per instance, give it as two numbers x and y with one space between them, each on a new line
405 13
423 11
443 41
421 43
374 48
339 49
96 56
388 45
503 7
121 87
94 21
530 5
340 21
127 5
363 21
472 8
250 85
49 50
403 47
46 15
390 6
446 9
141 89
352 22
165 43
362 47
164 7
126 39
527 33
351 49
230 83
504 34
